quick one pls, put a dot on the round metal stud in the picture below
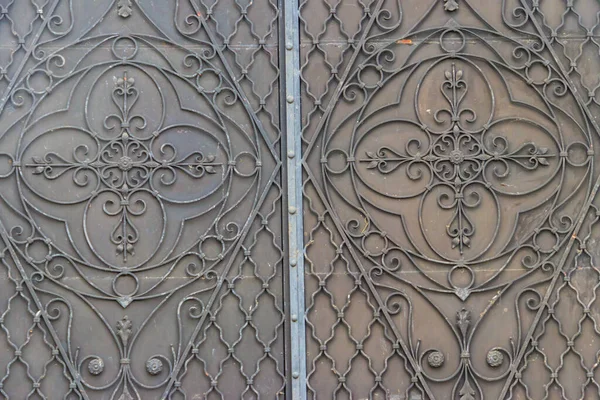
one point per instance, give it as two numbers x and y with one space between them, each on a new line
96 366
495 358
436 359
154 366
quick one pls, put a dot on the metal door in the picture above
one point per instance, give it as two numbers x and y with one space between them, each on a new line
232 199
142 254
450 208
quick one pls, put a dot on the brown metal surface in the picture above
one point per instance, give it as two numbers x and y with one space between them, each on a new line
451 216
451 219
140 200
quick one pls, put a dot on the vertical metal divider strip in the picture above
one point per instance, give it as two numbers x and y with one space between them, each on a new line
293 131
287 347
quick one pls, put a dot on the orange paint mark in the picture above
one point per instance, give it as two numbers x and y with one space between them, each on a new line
404 41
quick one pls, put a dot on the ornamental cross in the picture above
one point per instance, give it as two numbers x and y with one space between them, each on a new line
457 158
124 165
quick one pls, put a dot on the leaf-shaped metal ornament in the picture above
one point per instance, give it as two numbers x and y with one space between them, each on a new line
372 165
124 329
467 392
463 320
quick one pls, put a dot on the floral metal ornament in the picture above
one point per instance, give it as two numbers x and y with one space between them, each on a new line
495 358
436 359
96 366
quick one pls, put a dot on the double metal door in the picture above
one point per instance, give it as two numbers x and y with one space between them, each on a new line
317 199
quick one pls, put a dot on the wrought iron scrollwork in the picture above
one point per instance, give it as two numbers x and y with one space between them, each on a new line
145 182
450 199
442 173
125 168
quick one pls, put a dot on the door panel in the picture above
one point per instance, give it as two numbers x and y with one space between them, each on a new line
435 220
450 179
141 202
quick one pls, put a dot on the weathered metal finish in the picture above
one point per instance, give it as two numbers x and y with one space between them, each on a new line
140 192
450 199
440 175
561 360
294 197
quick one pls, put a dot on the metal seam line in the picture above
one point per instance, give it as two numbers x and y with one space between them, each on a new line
293 131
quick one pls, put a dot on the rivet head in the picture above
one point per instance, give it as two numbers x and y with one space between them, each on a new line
435 359
289 46
294 317
154 366
494 358
290 99
295 375
96 366
293 262
292 210
291 154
